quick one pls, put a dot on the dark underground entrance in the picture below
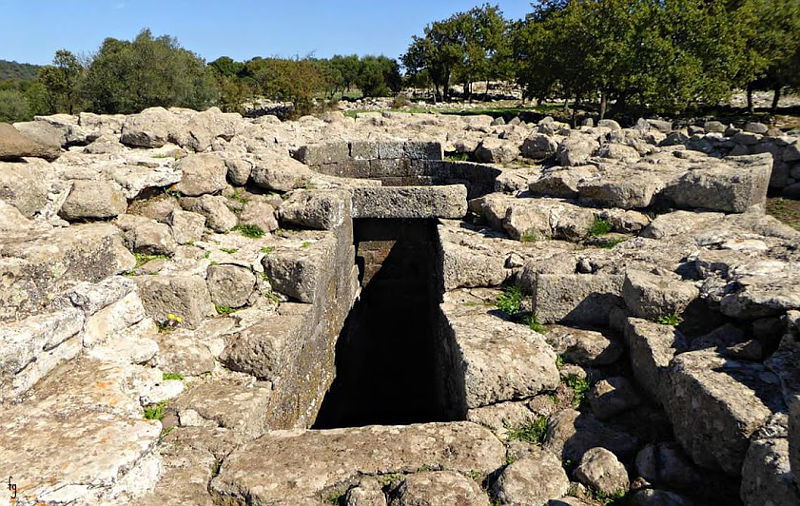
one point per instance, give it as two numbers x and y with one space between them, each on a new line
387 370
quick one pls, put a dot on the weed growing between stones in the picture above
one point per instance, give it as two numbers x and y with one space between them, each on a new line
530 237
225 310
532 432
579 387
510 301
172 322
229 251
142 259
600 227
172 376
251 231
267 250
306 244
457 157
670 319
155 411
238 197
609 499
534 325
609 244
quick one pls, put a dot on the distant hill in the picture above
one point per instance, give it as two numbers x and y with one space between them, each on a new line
14 70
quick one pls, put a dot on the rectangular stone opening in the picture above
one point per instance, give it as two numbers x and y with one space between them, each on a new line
388 368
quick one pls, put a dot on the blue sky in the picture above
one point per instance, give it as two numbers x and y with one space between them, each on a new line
32 30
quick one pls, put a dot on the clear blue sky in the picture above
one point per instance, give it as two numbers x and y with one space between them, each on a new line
32 30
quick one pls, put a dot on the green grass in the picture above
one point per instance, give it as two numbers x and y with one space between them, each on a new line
609 244
530 237
251 231
609 499
579 387
225 310
229 251
267 250
786 210
238 197
142 259
510 301
534 325
600 227
559 361
155 411
532 432
457 157
670 319
306 244
172 376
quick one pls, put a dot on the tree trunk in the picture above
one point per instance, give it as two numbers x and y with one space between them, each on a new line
603 104
566 104
486 95
750 108
775 99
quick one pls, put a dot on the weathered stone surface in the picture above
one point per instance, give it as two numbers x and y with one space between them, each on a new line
279 173
148 129
576 150
259 214
538 146
666 465
500 360
652 347
218 217
187 227
324 209
25 185
600 470
501 416
230 285
730 400
732 188
368 492
571 434
650 296
531 480
37 268
300 273
93 199
87 409
23 341
576 298
410 202
494 150
583 347
151 238
611 396
285 475
15 144
766 474
201 173
653 497
230 404
185 297
438 488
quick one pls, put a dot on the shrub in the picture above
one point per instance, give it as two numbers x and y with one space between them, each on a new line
510 301
251 231
600 227
532 432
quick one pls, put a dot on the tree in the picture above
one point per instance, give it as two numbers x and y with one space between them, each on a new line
126 77
227 66
378 76
773 44
61 80
348 67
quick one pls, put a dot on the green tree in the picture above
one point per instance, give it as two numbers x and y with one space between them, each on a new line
348 67
126 77
13 106
61 80
378 76
227 66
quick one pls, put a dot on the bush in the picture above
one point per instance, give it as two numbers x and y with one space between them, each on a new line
13 106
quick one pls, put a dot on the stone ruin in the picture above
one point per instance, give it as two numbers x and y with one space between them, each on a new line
198 308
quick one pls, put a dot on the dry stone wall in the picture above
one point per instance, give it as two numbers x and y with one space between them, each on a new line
176 291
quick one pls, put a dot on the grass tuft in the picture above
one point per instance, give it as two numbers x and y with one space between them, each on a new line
155 411
600 227
510 301
579 387
532 432
172 376
670 319
534 325
225 310
267 250
251 231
